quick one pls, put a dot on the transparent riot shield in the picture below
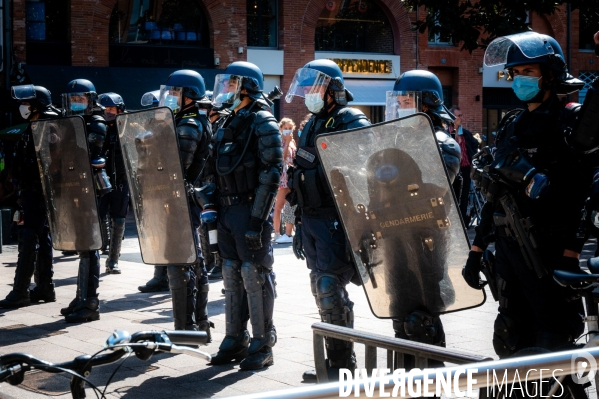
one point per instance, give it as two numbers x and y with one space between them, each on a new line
399 213
156 182
63 158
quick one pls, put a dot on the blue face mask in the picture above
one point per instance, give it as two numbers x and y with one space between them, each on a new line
235 104
172 102
78 107
526 87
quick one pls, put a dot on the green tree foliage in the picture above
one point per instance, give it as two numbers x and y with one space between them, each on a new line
476 23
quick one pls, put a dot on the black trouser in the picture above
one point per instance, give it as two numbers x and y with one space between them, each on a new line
532 311
461 188
116 202
36 220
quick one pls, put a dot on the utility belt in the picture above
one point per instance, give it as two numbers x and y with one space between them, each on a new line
308 180
237 199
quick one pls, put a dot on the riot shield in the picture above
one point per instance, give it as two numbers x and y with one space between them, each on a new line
399 213
63 159
156 182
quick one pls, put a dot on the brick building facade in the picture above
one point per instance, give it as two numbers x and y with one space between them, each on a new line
460 73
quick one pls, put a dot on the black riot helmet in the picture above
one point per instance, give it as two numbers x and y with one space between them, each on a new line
112 100
80 97
425 88
37 96
534 48
317 73
237 76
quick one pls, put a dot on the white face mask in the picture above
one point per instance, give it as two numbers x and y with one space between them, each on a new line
287 132
403 112
25 111
314 102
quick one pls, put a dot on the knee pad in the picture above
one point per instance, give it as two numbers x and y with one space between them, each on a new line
27 240
119 221
331 297
505 336
178 276
313 278
253 276
231 274
421 326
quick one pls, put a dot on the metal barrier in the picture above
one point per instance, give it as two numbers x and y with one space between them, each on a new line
558 363
396 349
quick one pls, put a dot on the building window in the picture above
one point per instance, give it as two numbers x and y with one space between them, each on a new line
588 26
262 23
587 77
354 26
47 20
159 22
439 35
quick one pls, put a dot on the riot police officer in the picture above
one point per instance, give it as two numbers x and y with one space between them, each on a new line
533 309
421 91
117 201
35 242
80 98
319 237
248 162
183 91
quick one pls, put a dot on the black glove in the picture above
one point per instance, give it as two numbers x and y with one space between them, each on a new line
298 245
471 271
253 236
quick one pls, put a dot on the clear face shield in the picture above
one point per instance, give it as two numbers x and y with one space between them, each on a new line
227 90
23 92
78 103
400 104
309 84
150 99
531 44
171 97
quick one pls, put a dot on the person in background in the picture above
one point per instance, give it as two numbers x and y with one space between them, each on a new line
286 127
469 146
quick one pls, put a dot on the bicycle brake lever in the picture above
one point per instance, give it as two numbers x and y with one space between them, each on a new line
190 351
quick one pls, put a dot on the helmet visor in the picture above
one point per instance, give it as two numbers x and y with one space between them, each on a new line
150 98
170 96
531 44
78 103
400 104
307 81
227 89
23 92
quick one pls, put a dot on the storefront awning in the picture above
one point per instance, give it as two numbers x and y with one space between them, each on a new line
130 83
369 91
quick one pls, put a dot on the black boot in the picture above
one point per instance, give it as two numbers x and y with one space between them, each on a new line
182 282
43 292
232 349
260 352
19 296
71 308
206 325
105 231
86 310
333 368
116 239
157 283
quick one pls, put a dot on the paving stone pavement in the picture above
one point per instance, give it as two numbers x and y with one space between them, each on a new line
40 331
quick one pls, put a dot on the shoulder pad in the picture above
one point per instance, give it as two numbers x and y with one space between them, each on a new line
96 124
510 116
189 119
188 131
447 144
265 123
570 113
349 115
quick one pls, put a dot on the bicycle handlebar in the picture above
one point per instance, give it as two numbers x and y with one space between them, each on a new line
121 342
